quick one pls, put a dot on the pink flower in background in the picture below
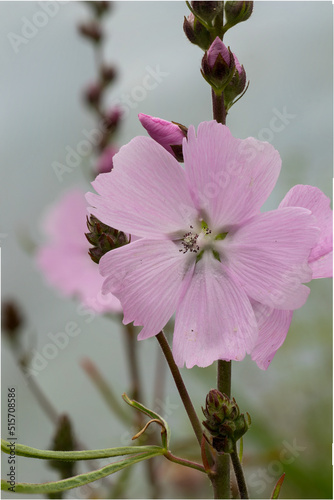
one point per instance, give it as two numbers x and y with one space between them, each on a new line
273 323
64 259
105 161
164 132
206 253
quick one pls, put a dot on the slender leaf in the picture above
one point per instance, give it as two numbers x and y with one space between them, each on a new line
277 488
165 436
69 456
80 480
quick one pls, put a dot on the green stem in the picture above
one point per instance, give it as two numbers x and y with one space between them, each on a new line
132 351
105 390
239 474
218 107
180 386
182 461
221 478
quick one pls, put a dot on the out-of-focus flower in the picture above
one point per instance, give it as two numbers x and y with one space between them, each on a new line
64 259
93 94
104 162
170 135
274 323
206 251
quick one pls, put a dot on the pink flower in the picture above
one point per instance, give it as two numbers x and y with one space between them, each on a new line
105 161
64 260
273 323
164 132
206 250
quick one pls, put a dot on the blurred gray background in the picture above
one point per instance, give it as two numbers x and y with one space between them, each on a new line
286 48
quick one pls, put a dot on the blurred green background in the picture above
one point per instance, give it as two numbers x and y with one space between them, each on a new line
286 48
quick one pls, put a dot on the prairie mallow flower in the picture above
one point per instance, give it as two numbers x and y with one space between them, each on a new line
206 251
64 259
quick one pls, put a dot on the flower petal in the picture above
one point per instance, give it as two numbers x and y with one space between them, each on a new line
145 193
147 277
214 319
75 274
273 328
314 199
269 255
221 169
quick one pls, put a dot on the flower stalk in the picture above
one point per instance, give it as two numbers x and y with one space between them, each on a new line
239 474
180 386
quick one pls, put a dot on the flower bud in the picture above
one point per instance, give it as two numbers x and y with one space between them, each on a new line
237 84
170 135
207 11
218 65
223 421
93 94
63 440
196 32
104 163
103 238
99 8
112 118
11 318
237 12
91 30
108 73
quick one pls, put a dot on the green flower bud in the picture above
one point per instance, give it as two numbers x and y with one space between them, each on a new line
223 421
237 12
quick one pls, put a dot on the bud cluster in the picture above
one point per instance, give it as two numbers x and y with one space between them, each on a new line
223 421
94 94
206 20
103 238
220 67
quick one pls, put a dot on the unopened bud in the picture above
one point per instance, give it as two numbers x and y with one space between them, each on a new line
11 318
218 65
237 84
91 30
196 32
207 11
63 440
103 238
108 73
237 12
223 421
93 94
169 135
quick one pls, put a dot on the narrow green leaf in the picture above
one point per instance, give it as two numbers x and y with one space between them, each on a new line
165 436
277 488
69 456
80 480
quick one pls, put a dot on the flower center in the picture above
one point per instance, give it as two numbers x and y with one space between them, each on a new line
199 239
193 241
